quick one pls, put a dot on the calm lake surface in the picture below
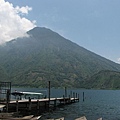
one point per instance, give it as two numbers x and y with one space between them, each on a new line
97 103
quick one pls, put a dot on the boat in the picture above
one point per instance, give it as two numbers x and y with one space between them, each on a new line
28 117
6 115
81 118
10 117
26 95
36 118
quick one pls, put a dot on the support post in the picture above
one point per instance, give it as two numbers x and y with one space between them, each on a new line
78 97
7 100
74 96
30 104
49 96
38 105
71 94
69 99
17 106
64 99
65 91
55 103
83 96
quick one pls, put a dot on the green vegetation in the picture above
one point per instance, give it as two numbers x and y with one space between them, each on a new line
45 55
103 80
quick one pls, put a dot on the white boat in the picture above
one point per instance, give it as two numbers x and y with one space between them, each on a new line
26 95
81 118
36 118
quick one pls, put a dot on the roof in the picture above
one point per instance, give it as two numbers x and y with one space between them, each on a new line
25 93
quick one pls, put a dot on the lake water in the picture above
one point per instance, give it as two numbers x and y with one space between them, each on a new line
97 103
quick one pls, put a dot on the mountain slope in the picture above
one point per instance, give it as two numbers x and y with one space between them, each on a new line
45 55
103 80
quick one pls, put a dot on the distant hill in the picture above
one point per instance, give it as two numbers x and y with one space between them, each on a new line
45 55
103 80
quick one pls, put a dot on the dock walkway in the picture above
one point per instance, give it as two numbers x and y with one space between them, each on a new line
37 105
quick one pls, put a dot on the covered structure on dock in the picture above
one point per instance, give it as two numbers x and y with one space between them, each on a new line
26 95
5 90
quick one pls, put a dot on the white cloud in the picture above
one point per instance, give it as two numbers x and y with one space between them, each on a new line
118 60
23 10
12 23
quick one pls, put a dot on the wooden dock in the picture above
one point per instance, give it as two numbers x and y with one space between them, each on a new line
32 106
37 105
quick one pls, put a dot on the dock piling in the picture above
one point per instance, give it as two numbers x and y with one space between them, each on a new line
83 96
55 103
30 104
64 99
65 91
38 105
74 96
17 106
49 95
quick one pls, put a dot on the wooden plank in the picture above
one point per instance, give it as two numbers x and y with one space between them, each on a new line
42 100
81 118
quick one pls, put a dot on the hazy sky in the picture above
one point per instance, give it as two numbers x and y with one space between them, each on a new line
93 24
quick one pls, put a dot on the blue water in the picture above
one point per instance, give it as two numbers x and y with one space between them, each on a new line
97 103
